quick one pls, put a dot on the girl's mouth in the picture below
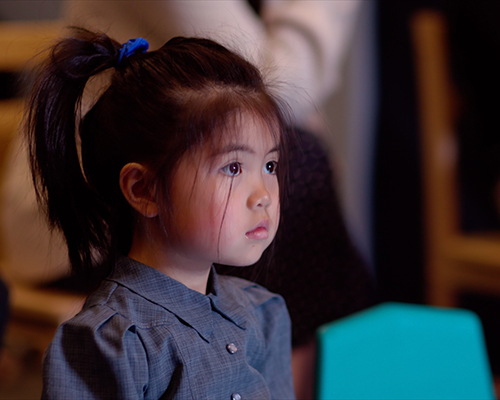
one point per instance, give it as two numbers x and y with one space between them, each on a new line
260 232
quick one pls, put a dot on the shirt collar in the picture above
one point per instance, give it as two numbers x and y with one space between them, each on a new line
188 305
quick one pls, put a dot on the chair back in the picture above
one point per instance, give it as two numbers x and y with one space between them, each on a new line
402 351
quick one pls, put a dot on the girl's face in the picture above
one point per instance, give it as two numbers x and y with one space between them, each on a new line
226 201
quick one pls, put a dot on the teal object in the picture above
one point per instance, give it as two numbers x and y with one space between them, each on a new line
402 351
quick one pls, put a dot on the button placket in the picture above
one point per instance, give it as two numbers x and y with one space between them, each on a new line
231 349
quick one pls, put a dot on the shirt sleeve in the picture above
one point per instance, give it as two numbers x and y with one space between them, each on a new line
95 361
298 44
305 46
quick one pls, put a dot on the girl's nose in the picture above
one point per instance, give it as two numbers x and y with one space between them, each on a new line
259 198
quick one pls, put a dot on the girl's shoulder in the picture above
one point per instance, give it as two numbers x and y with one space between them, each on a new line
249 292
117 305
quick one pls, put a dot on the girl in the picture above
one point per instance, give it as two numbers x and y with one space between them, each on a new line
177 171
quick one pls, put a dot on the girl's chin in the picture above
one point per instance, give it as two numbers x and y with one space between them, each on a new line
241 263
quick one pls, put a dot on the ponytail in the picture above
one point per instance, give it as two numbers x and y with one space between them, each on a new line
61 187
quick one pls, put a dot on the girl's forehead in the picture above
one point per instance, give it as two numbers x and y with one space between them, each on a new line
237 132
249 139
247 128
248 134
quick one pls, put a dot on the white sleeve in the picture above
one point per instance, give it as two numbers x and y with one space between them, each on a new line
299 44
305 48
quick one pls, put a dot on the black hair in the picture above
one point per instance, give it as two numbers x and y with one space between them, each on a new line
158 106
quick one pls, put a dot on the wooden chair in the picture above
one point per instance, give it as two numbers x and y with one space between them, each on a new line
34 313
455 261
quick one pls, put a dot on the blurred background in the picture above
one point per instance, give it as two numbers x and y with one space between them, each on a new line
415 146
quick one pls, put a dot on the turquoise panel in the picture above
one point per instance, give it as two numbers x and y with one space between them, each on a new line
403 351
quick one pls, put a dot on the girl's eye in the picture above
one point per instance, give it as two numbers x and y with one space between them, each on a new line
233 169
270 167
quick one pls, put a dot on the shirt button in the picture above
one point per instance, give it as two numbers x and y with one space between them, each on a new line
236 396
231 348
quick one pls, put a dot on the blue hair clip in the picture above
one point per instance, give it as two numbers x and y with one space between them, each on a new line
133 46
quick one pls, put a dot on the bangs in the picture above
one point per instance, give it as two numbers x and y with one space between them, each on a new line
215 118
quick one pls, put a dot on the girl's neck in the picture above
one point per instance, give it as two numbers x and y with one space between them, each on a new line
193 276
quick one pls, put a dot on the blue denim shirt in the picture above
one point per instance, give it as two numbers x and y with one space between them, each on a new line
143 335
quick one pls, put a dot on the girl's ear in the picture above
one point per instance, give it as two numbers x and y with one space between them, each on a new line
135 186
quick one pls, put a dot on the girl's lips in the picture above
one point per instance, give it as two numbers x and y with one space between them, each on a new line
260 232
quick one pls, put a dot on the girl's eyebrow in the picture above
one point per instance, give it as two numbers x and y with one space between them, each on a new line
233 147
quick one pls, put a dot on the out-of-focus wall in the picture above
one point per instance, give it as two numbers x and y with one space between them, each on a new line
12 10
